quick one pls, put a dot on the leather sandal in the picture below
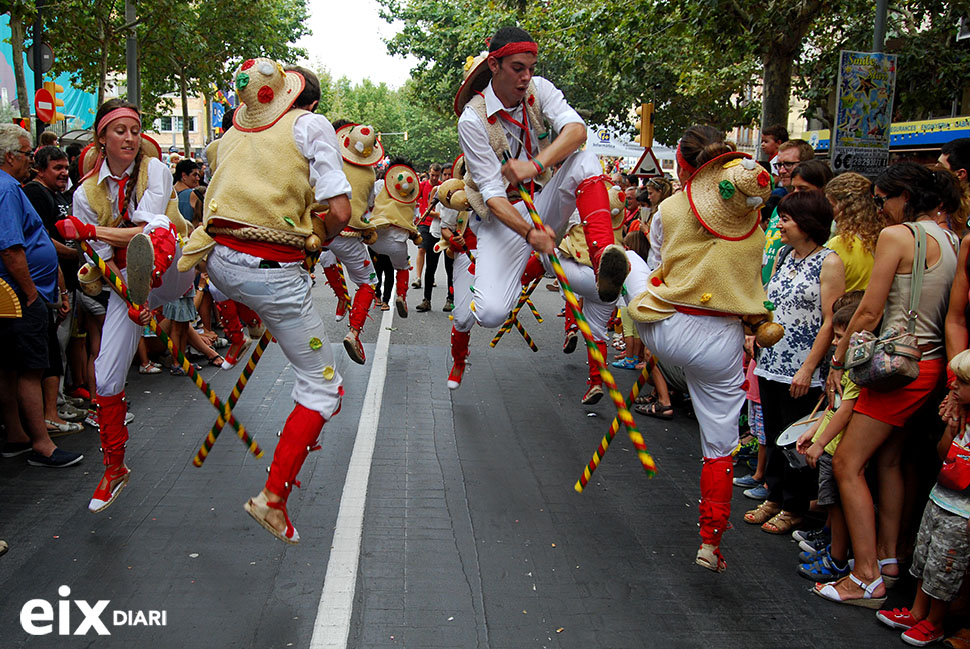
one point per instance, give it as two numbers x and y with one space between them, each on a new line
762 513
782 523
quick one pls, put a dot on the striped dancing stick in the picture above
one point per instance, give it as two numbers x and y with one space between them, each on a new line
622 411
513 316
119 286
210 438
525 335
535 311
614 427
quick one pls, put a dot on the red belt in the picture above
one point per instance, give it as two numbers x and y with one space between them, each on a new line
692 311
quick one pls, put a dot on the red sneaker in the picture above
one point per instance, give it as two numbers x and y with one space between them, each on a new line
922 634
898 618
454 377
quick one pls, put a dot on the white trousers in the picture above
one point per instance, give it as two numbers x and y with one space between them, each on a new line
352 253
503 254
710 350
393 242
121 335
462 281
281 298
582 281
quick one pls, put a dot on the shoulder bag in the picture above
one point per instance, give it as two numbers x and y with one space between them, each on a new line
891 360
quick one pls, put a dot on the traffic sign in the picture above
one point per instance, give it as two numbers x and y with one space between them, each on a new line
44 105
46 57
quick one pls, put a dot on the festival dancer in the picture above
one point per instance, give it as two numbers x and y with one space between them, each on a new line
689 310
257 230
458 241
393 216
126 197
506 111
360 150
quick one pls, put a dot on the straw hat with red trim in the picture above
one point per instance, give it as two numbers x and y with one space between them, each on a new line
726 193
401 183
476 78
359 144
266 92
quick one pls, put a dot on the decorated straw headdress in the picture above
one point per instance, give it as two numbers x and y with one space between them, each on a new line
266 92
401 183
359 144
726 193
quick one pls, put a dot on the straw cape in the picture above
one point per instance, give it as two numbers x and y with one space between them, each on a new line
712 244
266 92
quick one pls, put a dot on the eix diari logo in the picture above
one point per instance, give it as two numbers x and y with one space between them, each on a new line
37 616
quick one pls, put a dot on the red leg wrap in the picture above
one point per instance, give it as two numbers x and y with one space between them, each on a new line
163 242
533 270
570 319
594 370
593 203
401 282
459 352
716 491
247 316
299 437
362 301
333 279
114 433
459 345
231 325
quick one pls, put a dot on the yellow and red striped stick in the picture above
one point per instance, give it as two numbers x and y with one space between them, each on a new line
122 290
210 438
513 316
525 334
614 427
343 283
622 411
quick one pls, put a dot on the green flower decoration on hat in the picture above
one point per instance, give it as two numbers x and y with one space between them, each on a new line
769 305
726 189
242 80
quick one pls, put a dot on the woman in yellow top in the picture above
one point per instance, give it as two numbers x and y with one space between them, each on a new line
858 225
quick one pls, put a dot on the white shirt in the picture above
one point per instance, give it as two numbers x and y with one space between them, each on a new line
153 202
317 142
484 166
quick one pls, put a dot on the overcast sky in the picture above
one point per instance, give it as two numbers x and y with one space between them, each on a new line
348 43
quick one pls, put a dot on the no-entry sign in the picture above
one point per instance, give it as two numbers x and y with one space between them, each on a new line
44 105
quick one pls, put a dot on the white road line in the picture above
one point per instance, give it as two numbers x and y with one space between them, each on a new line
331 628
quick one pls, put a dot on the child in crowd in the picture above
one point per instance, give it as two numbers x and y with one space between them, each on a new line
818 445
754 484
942 551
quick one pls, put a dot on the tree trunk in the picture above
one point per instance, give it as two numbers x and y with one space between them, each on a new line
183 87
17 44
776 91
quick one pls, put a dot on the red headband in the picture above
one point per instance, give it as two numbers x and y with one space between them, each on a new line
682 161
118 113
514 48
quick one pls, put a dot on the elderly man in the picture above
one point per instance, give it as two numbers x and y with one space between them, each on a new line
28 262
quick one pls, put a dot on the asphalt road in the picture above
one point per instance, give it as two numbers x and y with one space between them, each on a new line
471 533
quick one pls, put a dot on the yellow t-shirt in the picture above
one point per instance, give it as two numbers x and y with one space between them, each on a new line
849 391
857 261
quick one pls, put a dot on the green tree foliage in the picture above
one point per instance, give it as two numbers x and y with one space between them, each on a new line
431 136
697 60
185 46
